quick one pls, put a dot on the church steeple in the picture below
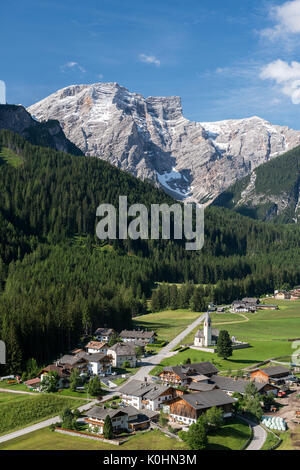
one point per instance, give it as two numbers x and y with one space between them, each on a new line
207 330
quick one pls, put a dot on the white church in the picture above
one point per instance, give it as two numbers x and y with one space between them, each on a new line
208 336
2 92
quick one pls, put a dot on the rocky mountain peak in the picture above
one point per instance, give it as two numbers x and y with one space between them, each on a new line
151 138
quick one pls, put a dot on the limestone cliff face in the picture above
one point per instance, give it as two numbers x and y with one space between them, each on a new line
150 138
47 134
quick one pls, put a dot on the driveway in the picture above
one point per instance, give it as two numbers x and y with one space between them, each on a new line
259 435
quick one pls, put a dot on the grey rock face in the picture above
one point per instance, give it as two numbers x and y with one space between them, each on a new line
47 134
150 138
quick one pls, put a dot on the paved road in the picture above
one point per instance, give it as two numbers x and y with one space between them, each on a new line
147 366
151 361
41 425
259 435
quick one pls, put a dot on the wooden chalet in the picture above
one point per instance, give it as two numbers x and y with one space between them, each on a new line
273 375
187 408
183 375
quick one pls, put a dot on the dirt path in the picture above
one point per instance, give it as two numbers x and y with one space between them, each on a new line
233 322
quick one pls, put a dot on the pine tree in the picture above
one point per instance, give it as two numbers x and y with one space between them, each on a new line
107 428
224 345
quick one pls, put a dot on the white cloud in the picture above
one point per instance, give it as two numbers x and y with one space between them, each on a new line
72 65
149 59
286 75
287 20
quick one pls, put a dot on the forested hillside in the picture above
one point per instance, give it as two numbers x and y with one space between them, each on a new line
59 281
270 193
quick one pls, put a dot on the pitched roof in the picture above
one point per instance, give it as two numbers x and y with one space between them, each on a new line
197 369
71 360
63 371
199 377
178 370
35 381
275 370
204 368
230 385
104 331
139 388
201 387
95 345
123 349
100 412
214 332
95 357
251 300
138 334
207 399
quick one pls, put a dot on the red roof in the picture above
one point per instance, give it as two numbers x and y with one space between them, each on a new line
37 380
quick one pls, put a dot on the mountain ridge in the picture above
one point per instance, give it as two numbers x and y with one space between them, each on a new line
270 193
15 118
151 138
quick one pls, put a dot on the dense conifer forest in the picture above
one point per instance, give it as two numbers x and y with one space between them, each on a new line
275 192
58 282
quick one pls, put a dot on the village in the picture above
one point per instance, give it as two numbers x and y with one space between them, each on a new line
138 394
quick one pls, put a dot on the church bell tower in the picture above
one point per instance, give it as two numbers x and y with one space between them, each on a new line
207 330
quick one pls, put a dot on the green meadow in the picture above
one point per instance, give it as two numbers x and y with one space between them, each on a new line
267 331
166 324
9 157
19 410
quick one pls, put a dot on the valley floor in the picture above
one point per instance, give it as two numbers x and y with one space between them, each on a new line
232 436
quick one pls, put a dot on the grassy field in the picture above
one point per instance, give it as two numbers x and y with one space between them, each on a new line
263 325
241 358
15 386
267 331
48 440
18 411
230 437
166 324
271 441
11 397
9 157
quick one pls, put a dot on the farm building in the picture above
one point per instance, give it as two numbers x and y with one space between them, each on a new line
232 385
273 374
182 375
187 408
136 335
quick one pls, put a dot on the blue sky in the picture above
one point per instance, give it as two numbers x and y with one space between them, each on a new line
226 59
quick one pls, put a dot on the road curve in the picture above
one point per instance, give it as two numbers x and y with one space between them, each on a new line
259 435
